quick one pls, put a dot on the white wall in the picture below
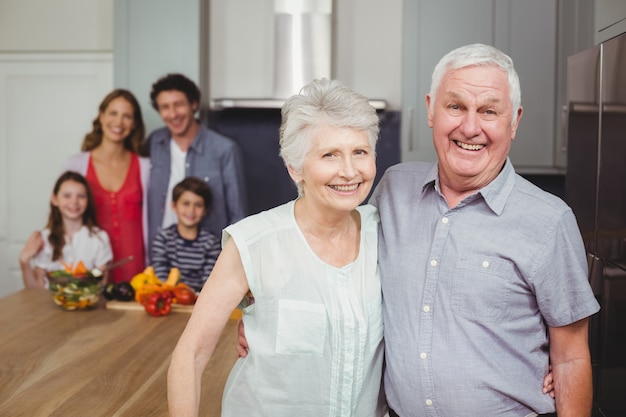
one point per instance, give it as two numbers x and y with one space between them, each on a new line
54 26
56 65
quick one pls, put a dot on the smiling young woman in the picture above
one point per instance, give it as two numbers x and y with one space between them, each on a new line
118 176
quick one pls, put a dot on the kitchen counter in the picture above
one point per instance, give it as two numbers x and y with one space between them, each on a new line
98 362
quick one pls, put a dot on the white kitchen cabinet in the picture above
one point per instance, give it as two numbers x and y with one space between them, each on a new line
528 31
610 19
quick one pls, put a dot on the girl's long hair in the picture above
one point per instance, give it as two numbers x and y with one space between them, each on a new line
135 140
55 219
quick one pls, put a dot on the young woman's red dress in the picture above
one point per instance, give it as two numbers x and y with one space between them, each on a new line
119 214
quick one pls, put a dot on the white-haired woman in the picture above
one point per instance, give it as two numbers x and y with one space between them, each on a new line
315 327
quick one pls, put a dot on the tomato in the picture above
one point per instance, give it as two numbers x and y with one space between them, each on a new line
185 296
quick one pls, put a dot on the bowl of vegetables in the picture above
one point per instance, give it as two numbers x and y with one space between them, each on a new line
75 288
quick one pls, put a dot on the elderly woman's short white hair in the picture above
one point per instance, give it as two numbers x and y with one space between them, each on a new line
323 102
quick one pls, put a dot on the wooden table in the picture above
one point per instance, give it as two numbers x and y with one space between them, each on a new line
98 362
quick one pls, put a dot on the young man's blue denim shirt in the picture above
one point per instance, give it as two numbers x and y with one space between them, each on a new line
213 158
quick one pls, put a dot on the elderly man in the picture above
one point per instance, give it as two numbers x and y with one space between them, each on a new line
483 274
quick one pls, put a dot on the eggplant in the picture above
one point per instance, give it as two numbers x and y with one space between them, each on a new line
108 292
121 291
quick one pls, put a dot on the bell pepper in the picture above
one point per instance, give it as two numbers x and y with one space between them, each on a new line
158 304
147 277
149 289
173 278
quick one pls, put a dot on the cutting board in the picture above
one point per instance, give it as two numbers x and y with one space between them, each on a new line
133 305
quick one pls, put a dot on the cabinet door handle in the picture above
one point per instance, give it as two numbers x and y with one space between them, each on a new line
409 112
564 127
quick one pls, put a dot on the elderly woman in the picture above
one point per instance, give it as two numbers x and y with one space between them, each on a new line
118 178
315 327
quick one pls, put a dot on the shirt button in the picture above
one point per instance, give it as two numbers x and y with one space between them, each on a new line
206 179
429 402
426 309
444 220
433 262
423 355
485 264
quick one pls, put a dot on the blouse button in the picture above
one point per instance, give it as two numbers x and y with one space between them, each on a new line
485 264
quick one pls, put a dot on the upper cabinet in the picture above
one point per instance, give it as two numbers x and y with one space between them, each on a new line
531 32
610 19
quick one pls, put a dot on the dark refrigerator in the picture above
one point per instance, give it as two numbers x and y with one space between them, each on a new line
595 188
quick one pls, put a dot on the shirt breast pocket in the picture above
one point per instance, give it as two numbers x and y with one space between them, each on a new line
301 328
212 178
481 287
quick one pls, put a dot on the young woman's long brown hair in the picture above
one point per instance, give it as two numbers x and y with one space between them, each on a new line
134 141
55 220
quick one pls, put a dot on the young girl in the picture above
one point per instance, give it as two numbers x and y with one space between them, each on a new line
70 236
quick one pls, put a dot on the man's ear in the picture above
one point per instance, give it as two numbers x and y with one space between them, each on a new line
429 110
516 122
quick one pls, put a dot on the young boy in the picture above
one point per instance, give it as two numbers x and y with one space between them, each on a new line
185 245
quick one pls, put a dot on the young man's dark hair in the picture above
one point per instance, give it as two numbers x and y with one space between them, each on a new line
175 82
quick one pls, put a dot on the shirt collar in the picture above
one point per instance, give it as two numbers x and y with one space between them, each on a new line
431 179
495 194
197 145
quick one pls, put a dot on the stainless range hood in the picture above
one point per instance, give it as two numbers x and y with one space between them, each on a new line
302 42
302 51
